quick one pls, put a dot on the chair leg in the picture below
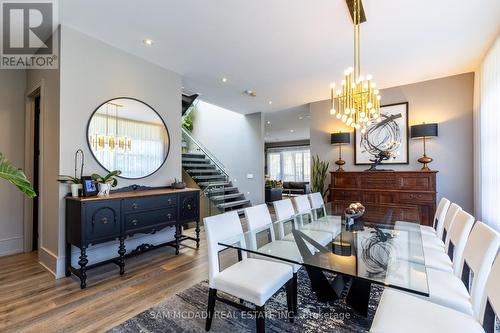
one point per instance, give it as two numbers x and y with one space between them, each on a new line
289 299
295 296
212 293
260 314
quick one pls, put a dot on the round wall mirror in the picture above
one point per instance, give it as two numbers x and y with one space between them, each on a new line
128 135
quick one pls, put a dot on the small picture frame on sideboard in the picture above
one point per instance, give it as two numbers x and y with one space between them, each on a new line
89 187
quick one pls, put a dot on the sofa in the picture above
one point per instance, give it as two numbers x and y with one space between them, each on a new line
296 188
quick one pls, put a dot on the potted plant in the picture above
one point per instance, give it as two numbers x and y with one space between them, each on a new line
16 176
106 182
75 182
319 173
177 184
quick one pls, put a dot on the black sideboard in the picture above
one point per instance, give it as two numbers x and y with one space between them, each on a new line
95 220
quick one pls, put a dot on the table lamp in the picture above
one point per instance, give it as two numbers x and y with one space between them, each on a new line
424 131
339 139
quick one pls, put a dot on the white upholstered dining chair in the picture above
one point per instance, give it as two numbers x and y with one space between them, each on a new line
331 224
463 292
430 241
439 217
250 279
259 221
450 259
317 205
400 312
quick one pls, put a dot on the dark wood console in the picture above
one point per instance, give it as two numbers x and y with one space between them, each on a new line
95 220
410 194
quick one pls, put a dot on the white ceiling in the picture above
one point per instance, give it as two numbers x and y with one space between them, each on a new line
287 125
288 51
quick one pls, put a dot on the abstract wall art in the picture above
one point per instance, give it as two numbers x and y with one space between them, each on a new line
390 136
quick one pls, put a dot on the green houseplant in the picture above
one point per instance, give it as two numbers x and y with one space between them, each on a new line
16 176
75 182
106 182
319 173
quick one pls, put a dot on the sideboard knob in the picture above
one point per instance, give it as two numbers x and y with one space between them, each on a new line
135 206
134 222
104 220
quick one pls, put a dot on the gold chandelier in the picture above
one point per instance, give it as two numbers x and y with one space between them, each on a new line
110 140
357 103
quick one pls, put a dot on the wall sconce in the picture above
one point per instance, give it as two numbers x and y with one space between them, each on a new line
424 131
340 139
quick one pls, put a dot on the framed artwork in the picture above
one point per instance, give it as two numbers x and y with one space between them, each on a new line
391 135
89 187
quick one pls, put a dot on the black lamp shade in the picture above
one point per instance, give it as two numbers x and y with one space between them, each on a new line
424 130
340 138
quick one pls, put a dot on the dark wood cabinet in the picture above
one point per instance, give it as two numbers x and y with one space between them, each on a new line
411 195
95 220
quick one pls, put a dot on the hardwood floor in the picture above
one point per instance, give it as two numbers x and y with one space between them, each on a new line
31 300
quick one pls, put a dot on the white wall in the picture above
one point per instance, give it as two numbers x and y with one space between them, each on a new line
280 124
12 87
238 142
92 72
447 101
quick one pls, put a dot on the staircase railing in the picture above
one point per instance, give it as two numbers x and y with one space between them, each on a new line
194 145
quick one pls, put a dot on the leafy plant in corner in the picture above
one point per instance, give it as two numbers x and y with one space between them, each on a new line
319 173
16 176
187 120
108 179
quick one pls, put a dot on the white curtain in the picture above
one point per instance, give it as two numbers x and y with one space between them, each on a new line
148 149
487 138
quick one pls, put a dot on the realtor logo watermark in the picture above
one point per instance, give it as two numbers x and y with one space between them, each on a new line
28 34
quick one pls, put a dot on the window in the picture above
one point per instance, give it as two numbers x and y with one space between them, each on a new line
289 164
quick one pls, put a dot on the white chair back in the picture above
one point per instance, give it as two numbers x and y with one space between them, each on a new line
480 252
218 228
440 215
257 216
317 203
459 232
302 204
283 209
490 307
448 222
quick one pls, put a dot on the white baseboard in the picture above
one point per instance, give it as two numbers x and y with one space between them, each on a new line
11 245
50 261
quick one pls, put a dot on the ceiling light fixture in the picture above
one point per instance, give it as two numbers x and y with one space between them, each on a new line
224 79
270 102
250 93
148 41
358 100
291 131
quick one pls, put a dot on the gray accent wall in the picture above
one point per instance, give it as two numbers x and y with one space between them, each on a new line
238 142
447 101
12 88
92 72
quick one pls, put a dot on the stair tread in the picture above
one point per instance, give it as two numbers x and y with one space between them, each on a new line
204 184
226 196
223 189
233 203
215 172
195 155
199 160
199 165
202 177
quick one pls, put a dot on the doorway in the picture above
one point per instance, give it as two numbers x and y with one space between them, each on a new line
36 169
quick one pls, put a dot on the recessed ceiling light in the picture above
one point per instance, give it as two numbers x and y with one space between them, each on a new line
291 131
224 79
301 117
148 41
250 93
268 122
270 102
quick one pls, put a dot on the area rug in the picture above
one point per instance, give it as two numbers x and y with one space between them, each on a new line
186 312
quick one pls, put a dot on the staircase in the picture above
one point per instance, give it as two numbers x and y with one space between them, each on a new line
214 182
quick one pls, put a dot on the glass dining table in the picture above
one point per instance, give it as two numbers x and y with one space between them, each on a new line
359 253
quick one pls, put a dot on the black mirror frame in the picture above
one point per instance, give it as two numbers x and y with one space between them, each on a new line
137 100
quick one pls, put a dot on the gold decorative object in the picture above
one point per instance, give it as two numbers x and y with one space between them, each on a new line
357 103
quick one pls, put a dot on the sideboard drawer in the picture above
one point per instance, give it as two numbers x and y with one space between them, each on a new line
148 203
103 221
413 197
150 219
